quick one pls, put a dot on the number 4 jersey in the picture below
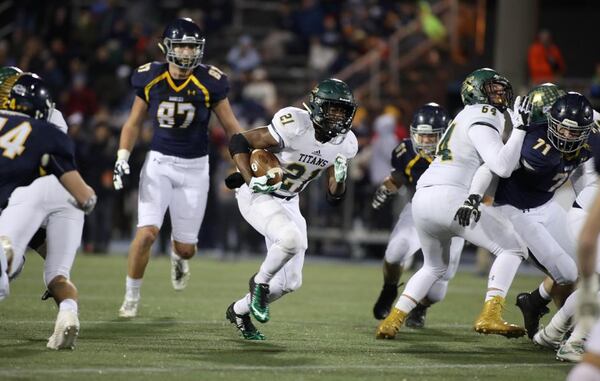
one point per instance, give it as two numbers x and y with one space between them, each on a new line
457 159
302 157
30 148
180 109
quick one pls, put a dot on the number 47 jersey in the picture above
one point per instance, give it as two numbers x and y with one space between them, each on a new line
302 157
180 109
457 159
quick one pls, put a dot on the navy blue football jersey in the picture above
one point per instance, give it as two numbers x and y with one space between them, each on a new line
180 109
24 142
409 163
543 169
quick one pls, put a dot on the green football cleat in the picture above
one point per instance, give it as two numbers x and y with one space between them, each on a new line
244 324
259 304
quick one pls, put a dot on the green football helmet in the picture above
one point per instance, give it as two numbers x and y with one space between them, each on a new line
542 97
331 107
8 76
481 87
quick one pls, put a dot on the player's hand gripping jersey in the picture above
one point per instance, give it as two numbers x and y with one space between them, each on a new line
180 108
460 153
30 148
302 157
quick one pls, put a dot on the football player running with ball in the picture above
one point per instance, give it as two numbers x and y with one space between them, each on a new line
306 143
180 96
409 160
473 138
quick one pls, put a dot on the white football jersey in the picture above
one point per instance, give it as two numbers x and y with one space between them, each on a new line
302 157
456 159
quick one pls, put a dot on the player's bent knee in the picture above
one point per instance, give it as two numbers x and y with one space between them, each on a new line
184 250
147 235
55 277
291 241
567 271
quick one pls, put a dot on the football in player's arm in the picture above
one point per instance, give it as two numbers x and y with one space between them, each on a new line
306 143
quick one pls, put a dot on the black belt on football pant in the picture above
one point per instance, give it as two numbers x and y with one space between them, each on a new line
287 198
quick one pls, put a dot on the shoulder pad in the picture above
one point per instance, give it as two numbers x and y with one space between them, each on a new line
484 115
146 73
350 145
292 121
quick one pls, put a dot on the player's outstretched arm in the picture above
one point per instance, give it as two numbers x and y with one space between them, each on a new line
336 184
129 135
84 195
227 118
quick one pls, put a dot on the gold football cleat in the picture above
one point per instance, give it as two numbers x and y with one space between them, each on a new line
490 320
391 325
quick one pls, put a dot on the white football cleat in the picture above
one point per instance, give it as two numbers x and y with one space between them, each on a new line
129 308
66 331
570 351
543 339
180 273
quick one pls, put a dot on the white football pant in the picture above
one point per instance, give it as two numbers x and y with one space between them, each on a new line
178 184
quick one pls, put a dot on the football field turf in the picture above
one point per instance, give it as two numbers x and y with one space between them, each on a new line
325 331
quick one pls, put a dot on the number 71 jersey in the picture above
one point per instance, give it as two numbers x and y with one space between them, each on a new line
180 109
302 157
457 159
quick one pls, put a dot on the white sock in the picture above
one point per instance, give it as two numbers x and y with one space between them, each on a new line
132 288
275 260
242 306
405 304
579 334
502 274
561 321
543 293
68 305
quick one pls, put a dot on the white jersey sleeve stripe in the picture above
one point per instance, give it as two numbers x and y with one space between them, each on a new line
276 135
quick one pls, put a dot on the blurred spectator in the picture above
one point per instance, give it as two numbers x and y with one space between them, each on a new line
595 87
545 60
98 174
81 98
261 90
243 57
382 146
431 24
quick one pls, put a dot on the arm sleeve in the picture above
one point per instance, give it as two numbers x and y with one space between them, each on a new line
481 181
62 155
500 159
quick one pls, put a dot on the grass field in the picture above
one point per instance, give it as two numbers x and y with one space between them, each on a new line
324 331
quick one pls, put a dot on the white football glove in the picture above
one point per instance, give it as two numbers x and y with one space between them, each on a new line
381 196
520 113
340 168
259 184
121 168
588 308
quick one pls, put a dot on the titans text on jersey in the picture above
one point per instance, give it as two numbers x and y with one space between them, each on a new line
180 108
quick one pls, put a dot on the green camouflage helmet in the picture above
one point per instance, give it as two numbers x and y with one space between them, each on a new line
331 106
476 89
8 76
542 97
